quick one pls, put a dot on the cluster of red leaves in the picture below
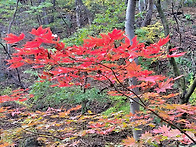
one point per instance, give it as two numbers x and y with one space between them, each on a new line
16 95
98 57
108 58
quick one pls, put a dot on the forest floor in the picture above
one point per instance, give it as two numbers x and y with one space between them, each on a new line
13 119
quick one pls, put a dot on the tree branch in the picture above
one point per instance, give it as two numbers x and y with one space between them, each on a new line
11 22
191 90
145 107
17 71
181 81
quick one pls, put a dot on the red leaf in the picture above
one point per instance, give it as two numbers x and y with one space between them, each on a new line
152 79
13 38
176 55
163 41
32 44
39 31
162 86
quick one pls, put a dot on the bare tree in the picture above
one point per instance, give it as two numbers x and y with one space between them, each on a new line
129 29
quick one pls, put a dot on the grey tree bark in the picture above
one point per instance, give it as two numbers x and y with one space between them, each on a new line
129 30
148 17
141 5
82 13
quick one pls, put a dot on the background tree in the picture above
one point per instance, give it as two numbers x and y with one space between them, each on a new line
129 29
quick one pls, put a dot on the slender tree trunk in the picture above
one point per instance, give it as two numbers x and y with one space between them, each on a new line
11 23
148 17
185 96
129 29
53 10
44 15
82 13
162 16
181 81
141 5
77 14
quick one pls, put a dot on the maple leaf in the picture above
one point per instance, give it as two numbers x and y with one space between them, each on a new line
163 41
76 108
162 86
163 129
39 31
32 44
130 141
116 34
13 38
148 137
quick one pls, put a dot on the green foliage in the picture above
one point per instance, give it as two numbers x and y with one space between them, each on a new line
7 2
193 96
77 37
31 72
46 96
119 104
6 10
108 15
5 91
112 17
151 33
140 15
186 64
188 16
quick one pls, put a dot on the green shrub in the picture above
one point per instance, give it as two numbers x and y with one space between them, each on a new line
151 33
46 96
119 104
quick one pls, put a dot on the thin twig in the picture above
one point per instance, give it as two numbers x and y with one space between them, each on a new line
177 23
11 22
17 71
145 107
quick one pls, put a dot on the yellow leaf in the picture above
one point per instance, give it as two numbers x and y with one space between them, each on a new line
151 125
90 112
54 116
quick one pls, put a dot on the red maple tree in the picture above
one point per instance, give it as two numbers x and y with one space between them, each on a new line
109 59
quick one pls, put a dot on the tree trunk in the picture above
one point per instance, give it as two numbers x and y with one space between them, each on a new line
141 5
11 22
77 14
45 20
163 18
82 13
53 10
148 17
181 81
129 29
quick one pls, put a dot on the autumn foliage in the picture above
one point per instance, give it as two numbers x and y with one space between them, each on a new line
110 60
